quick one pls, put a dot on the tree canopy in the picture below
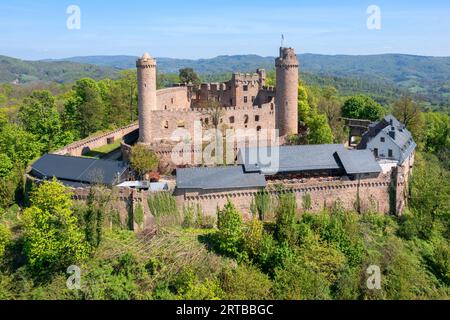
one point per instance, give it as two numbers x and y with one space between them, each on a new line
53 240
143 159
362 107
188 75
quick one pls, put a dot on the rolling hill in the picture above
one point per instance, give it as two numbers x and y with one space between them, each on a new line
428 77
20 71
425 76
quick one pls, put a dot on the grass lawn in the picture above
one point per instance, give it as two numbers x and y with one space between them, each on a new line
104 150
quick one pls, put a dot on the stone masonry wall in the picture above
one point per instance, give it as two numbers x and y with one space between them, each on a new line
171 98
165 122
374 195
81 147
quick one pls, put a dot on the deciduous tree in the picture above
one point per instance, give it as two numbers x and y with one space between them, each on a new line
362 107
143 160
53 240
188 75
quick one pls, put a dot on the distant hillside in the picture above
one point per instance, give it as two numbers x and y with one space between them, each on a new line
426 76
20 71
381 75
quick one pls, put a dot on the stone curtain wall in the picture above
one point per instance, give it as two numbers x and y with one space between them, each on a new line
165 122
81 147
374 195
171 98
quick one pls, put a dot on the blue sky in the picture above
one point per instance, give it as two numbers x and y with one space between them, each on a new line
201 29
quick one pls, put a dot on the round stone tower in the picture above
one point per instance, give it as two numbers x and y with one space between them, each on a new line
287 92
146 76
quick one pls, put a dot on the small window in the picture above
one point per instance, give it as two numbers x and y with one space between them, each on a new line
171 101
383 139
246 119
258 128
231 119
245 99
375 152
256 118
231 101
390 153
246 88
165 124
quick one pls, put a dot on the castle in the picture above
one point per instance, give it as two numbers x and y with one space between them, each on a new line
372 177
247 101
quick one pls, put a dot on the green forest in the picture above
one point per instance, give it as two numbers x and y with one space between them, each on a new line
284 252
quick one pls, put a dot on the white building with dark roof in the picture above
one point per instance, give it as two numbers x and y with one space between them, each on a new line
389 139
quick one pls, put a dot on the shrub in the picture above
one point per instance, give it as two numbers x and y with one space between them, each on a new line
262 204
143 160
253 235
230 234
306 201
286 213
189 216
298 282
138 214
195 218
440 262
52 237
5 239
163 204
245 283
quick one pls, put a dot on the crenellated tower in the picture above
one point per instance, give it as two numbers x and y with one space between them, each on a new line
287 67
146 76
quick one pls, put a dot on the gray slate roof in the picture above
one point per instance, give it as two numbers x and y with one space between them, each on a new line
218 178
291 158
76 171
359 161
403 138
